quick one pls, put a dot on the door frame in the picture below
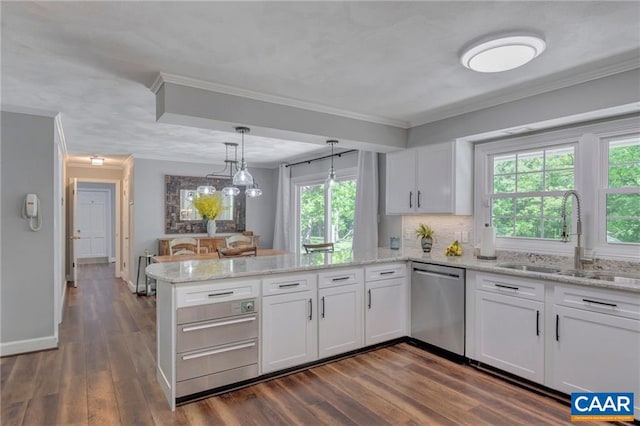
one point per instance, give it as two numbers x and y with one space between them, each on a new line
109 229
118 217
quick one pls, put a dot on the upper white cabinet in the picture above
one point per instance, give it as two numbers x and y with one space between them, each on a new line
430 179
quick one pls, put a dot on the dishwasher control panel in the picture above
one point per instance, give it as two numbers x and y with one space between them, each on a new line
247 306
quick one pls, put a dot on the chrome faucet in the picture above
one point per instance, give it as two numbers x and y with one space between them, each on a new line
578 257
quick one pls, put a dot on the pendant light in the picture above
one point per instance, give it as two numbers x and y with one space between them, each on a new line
253 191
331 178
242 176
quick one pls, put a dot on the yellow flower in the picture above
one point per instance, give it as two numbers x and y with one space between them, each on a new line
209 206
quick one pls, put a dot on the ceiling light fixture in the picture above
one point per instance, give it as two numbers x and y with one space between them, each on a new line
97 161
253 191
503 53
242 176
331 178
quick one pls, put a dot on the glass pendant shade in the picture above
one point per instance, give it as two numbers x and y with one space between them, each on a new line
230 191
204 190
331 178
253 191
242 176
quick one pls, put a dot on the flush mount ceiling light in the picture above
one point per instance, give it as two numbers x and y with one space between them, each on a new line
97 161
502 53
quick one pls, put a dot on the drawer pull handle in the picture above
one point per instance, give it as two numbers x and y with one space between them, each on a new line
217 324
387 273
217 351
340 279
613 305
288 285
508 287
226 293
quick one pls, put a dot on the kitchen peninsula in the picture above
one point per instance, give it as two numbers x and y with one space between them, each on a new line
226 323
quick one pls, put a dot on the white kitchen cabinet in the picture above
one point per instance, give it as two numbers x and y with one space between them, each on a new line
596 342
430 179
386 310
508 334
289 323
340 319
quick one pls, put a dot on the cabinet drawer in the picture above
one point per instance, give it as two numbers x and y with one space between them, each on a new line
598 300
212 381
339 277
512 286
383 272
198 335
288 284
214 292
216 359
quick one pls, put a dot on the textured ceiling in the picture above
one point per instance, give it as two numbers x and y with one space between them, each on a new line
95 61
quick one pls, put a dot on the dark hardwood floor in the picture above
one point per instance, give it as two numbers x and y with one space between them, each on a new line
104 374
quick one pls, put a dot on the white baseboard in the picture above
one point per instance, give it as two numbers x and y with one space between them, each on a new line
29 345
132 286
62 300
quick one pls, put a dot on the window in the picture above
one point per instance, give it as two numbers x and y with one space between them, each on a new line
526 191
622 190
325 213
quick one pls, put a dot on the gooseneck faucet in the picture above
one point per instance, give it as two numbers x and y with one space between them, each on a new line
579 250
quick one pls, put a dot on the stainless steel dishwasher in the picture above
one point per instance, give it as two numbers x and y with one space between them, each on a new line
437 306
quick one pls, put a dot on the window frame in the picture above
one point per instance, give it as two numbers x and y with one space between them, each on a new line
590 155
350 173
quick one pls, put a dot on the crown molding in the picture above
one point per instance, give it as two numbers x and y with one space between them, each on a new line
84 165
592 71
265 97
17 109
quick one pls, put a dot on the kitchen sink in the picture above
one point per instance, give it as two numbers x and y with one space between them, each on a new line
530 268
574 273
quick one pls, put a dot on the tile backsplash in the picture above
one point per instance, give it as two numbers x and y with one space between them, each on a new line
446 228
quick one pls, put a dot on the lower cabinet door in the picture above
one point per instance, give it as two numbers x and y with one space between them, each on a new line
509 334
289 330
340 320
596 352
385 310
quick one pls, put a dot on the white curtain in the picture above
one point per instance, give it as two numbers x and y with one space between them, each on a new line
365 227
282 228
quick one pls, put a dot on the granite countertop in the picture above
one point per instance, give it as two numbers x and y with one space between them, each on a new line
207 270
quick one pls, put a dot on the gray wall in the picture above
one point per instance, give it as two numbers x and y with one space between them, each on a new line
148 220
111 187
27 276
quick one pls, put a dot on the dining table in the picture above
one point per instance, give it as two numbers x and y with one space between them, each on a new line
208 256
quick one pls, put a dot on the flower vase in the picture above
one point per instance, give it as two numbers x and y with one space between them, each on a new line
211 227
426 243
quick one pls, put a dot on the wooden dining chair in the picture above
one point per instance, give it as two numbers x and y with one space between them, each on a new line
236 241
318 248
248 251
180 246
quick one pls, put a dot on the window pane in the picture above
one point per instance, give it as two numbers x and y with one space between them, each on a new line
624 175
528 228
530 162
623 205
530 182
559 180
553 228
504 226
312 208
504 184
529 206
502 207
561 158
504 164
552 207
624 151
623 230
343 203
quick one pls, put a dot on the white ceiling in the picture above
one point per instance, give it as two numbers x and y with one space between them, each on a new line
390 61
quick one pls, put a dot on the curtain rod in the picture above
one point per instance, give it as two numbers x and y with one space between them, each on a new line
321 158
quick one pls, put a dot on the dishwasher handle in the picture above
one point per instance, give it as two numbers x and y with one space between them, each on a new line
446 275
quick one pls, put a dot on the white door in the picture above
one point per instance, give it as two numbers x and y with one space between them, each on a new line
509 334
386 310
594 352
91 227
340 321
73 236
289 330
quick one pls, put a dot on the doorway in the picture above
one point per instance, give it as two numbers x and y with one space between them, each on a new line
96 222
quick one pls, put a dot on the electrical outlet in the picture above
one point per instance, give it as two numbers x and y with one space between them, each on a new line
465 236
457 235
407 233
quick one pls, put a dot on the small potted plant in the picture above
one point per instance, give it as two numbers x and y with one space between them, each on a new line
425 232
